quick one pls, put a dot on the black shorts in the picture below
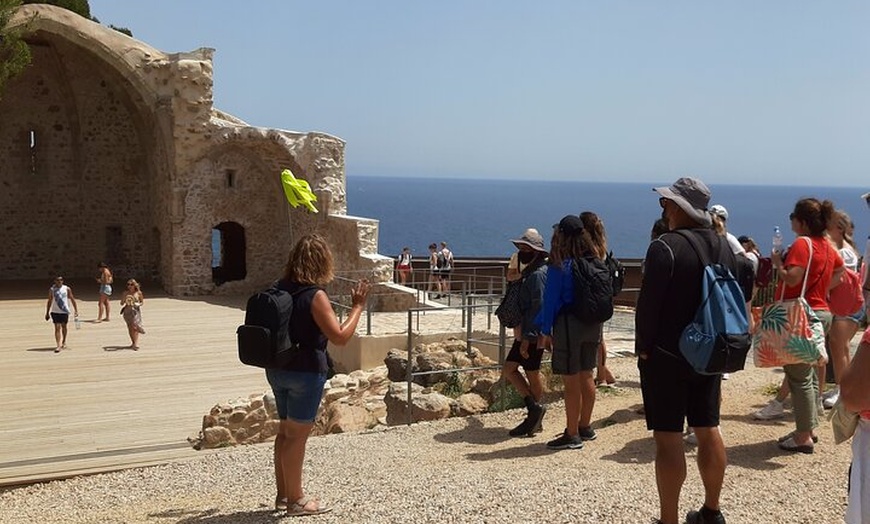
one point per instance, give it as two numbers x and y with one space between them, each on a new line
59 318
533 363
575 345
674 394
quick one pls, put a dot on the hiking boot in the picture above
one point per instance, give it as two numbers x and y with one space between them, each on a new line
539 427
566 442
705 516
586 433
772 410
523 429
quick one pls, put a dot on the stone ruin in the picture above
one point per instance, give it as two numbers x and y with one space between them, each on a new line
113 151
365 400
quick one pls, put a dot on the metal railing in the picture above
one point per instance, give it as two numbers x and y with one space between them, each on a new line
468 310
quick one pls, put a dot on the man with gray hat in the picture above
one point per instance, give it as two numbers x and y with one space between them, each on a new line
672 391
532 256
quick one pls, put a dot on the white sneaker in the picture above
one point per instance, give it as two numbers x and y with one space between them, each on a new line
772 410
829 401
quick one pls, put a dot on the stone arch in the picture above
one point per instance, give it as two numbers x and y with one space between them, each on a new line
232 183
100 158
121 52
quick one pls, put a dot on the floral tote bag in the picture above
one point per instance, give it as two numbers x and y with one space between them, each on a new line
789 331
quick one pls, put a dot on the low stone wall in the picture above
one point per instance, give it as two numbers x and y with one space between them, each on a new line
364 400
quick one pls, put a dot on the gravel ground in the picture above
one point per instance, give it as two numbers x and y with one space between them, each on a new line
468 470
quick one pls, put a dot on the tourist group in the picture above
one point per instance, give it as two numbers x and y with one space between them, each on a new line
695 323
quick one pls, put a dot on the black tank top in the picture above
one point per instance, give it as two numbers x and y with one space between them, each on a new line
312 356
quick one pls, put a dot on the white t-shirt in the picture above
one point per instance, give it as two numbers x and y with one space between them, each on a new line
850 257
736 247
60 295
448 258
753 259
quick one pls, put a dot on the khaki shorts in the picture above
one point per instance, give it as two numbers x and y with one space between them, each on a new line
575 345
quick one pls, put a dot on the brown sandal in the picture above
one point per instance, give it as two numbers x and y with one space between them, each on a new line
299 508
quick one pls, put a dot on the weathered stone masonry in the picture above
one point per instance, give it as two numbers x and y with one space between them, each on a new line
112 150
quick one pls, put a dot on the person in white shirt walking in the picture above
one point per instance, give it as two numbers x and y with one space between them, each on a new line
60 296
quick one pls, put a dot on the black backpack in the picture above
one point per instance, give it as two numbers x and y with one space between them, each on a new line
440 260
593 290
508 311
264 339
617 273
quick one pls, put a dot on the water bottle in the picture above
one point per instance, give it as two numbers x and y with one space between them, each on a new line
777 240
78 322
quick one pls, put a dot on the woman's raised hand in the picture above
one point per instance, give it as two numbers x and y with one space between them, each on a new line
360 292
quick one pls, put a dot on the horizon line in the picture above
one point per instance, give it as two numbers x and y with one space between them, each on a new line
590 181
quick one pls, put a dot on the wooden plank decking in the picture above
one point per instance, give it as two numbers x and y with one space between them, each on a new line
99 406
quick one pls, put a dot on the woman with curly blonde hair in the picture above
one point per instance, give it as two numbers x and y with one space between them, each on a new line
298 384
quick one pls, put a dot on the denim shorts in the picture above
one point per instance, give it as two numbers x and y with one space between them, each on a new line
297 393
854 317
106 289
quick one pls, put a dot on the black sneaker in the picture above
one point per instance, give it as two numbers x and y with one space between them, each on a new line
705 516
539 427
566 442
523 429
587 433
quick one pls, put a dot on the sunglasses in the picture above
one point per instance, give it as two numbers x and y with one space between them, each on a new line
663 201
792 216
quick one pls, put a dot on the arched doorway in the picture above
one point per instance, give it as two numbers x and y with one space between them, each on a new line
229 252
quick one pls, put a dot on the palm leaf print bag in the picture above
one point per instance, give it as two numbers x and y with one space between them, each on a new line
789 331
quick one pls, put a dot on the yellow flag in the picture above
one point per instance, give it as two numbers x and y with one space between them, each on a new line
297 191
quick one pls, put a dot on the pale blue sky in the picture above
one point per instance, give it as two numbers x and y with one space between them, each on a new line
772 92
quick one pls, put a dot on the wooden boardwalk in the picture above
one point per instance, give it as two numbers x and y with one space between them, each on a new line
100 406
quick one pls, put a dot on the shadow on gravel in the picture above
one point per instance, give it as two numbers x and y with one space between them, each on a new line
785 421
756 455
475 432
212 516
534 448
628 384
639 451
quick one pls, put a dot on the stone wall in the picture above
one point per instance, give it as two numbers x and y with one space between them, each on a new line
81 192
132 165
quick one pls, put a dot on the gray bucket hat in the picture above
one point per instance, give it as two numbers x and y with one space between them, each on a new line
692 196
531 238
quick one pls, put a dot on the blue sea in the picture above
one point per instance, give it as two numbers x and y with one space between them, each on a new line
477 218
